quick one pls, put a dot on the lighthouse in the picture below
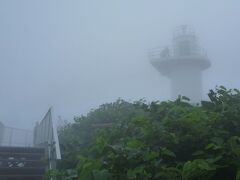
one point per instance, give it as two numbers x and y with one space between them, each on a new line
183 63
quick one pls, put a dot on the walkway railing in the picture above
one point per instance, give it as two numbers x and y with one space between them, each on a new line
16 137
166 52
44 136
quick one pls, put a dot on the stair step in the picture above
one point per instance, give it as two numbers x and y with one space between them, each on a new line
22 171
21 149
19 156
21 177
22 160
21 163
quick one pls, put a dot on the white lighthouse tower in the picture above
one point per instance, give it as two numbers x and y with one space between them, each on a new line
183 64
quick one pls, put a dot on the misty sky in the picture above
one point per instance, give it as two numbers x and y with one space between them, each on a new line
77 54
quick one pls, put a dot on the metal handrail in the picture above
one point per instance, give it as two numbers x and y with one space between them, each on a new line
168 52
16 137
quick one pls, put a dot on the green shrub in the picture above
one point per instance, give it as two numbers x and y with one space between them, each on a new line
160 140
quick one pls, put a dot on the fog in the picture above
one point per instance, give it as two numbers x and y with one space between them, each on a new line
75 55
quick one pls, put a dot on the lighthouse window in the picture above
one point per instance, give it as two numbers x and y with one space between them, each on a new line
184 48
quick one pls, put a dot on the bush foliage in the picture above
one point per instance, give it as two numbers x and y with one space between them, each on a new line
171 140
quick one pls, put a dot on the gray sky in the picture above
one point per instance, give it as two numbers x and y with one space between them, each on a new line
77 54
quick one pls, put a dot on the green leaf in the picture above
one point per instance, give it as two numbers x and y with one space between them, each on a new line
134 143
150 155
198 169
166 152
131 174
101 174
197 153
202 164
212 146
238 175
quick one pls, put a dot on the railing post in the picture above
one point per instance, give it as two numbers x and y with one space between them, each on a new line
10 136
1 132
